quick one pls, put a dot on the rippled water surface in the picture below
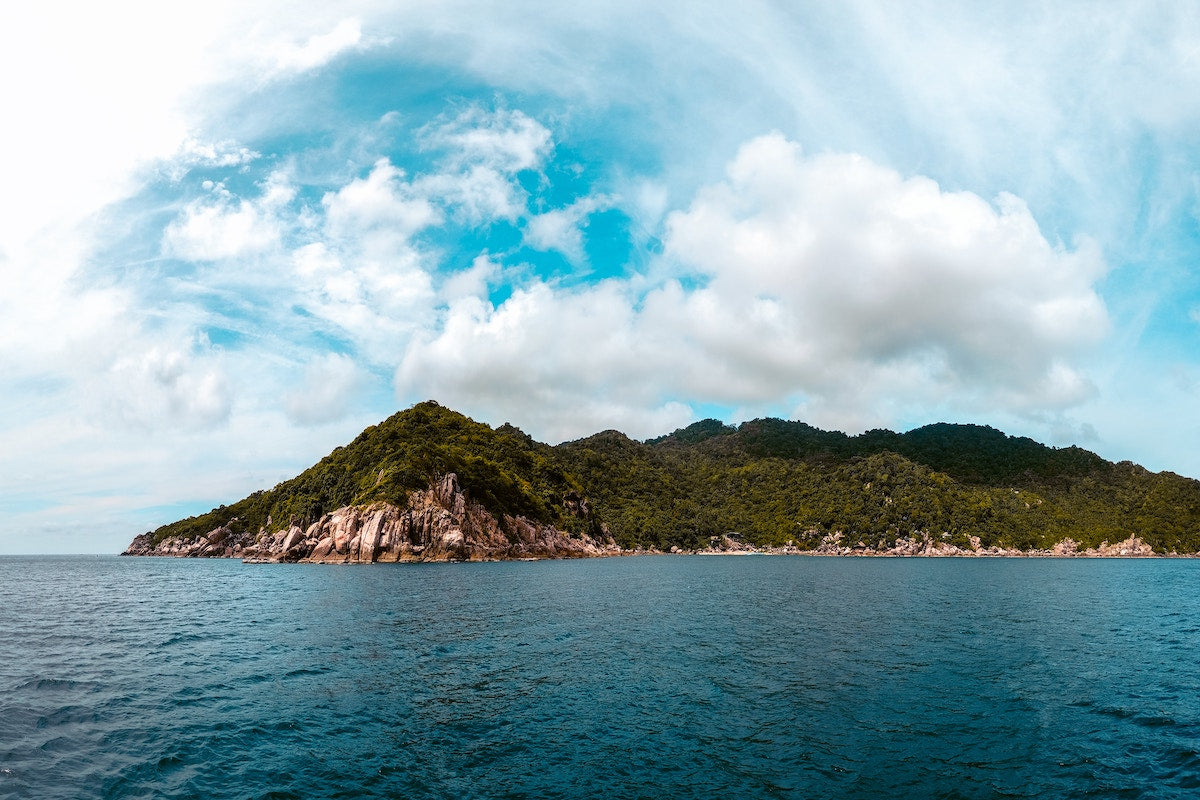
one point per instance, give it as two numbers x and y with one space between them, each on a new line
627 677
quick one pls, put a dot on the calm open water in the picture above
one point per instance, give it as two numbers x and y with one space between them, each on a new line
622 677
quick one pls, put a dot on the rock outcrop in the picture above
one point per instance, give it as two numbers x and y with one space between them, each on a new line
925 546
442 524
439 524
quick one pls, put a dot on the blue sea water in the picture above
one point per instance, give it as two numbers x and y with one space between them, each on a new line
651 677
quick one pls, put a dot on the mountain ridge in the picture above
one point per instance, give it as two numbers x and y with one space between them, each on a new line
774 483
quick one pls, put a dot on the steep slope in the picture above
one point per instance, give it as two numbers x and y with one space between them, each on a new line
441 486
437 524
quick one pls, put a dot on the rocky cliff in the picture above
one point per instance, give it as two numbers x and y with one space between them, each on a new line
439 524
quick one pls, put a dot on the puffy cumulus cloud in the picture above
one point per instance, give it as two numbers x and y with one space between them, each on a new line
474 180
331 384
356 264
561 364
829 285
365 274
840 268
562 229
381 209
473 281
357 261
222 226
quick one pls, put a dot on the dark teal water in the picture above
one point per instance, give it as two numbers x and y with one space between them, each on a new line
630 677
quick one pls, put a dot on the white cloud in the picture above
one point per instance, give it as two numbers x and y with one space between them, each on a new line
507 141
368 274
478 195
317 50
473 281
196 153
482 153
562 229
571 360
841 266
314 259
382 205
331 384
168 386
830 283
365 275
223 226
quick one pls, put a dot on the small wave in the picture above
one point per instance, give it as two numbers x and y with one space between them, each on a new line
1115 711
1153 721
1182 758
883 701
184 638
298 673
55 685
66 716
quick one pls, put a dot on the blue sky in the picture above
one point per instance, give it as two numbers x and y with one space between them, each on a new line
235 234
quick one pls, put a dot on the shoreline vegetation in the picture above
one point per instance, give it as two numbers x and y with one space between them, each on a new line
429 484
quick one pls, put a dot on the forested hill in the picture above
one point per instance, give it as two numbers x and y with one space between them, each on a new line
773 481
970 453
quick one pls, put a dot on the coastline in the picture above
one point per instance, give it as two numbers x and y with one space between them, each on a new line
924 547
1131 548
440 524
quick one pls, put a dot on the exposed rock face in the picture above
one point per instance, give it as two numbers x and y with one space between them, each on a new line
439 524
924 545
1133 547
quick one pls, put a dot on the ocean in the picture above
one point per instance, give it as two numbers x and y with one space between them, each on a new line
639 677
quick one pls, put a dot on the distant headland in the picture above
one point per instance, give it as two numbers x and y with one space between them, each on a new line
430 484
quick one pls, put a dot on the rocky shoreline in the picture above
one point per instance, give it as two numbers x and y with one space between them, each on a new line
442 524
438 524
925 547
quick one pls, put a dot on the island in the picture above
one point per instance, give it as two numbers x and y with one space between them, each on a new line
430 484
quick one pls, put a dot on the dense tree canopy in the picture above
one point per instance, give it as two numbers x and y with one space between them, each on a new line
771 480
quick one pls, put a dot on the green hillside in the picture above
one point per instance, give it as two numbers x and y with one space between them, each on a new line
771 480
501 468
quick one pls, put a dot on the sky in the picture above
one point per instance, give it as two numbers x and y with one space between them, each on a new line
234 234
